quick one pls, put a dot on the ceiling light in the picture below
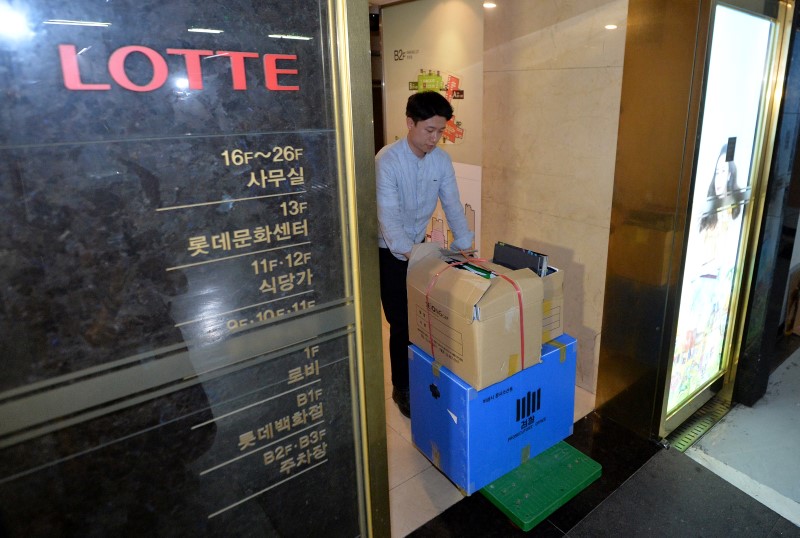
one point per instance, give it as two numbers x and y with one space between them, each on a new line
489 4
205 30
610 26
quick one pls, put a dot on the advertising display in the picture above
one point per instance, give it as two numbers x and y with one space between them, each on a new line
723 183
177 320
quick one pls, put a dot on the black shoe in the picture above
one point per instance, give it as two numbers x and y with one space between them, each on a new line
401 398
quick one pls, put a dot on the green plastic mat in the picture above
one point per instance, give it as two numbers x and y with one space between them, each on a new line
538 487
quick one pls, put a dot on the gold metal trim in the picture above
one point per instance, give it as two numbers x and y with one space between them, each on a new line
690 431
351 73
771 109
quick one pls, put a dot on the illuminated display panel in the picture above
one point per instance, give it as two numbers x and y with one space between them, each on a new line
722 190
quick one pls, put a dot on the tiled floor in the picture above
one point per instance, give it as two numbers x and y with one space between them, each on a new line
742 449
418 492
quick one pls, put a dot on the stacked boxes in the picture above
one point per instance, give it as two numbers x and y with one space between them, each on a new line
476 436
475 321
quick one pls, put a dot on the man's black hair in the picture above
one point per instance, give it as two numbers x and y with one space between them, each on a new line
425 105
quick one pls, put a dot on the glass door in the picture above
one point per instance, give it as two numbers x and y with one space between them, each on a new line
182 312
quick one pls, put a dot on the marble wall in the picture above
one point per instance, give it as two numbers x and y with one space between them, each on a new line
552 84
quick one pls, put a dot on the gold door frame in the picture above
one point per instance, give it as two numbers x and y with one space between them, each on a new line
352 73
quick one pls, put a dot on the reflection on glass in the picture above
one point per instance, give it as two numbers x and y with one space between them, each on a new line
733 97
66 22
13 24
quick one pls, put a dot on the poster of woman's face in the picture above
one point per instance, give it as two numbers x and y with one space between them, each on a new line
732 102
724 192
723 174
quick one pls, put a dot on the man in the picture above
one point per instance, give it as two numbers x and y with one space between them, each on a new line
412 175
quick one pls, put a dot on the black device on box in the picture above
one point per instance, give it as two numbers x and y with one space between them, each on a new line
520 258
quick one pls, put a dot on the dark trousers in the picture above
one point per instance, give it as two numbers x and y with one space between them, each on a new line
395 308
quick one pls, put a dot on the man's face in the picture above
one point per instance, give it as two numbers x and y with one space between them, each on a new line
424 135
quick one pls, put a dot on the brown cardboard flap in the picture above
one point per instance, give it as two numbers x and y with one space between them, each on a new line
553 283
498 301
454 289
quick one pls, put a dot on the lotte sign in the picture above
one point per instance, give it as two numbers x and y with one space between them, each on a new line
70 67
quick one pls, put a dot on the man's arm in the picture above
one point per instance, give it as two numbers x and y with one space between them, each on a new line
388 173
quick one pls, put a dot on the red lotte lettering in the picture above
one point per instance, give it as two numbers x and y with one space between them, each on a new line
71 69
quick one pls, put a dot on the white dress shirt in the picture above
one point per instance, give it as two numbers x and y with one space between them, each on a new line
408 188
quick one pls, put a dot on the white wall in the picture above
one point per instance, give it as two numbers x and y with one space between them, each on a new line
444 37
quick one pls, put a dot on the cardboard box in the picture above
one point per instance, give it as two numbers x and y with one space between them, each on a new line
552 304
475 437
475 321
515 257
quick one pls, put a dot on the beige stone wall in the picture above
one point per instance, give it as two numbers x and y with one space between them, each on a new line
552 83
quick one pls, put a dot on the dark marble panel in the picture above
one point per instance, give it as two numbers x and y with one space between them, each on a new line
111 248
38 108
251 453
168 195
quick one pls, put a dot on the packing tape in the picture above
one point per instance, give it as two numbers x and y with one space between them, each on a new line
562 349
437 457
521 318
437 368
513 364
526 454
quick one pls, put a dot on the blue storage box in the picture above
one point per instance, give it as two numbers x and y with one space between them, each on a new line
475 437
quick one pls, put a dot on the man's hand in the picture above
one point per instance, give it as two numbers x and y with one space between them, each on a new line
407 255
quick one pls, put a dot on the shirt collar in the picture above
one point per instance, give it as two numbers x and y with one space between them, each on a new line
407 151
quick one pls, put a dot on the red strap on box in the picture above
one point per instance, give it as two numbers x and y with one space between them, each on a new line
476 261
